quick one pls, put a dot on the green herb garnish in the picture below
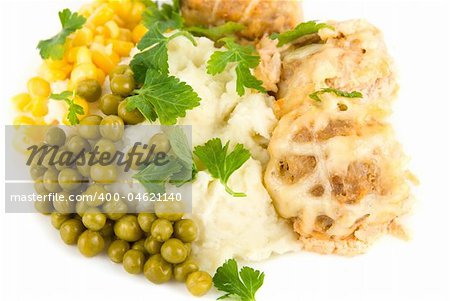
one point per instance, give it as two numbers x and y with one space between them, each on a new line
245 60
154 178
74 109
154 52
217 32
240 285
220 164
299 31
354 94
163 96
166 16
53 48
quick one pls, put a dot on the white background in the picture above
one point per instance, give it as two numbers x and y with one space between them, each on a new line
36 265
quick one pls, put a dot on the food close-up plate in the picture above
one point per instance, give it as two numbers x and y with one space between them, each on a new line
218 149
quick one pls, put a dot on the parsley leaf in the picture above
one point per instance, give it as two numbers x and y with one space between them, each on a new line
220 164
218 32
354 94
242 284
74 109
166 17
164 97
154 178
299 31
154 52
245 59
182 149
53 48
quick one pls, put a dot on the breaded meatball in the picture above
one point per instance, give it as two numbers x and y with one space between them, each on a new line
337 174
258 16
353 57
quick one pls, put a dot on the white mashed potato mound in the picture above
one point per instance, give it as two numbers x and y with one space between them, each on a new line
222 113
245 228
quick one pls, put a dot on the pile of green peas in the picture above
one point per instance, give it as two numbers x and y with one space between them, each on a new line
155 244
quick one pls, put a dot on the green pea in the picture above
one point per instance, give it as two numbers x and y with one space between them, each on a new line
140 246
127 228
157 270
117 250
93 219
104 174
71 230
122 84
55 136
51 180
161 143
115 209
90 243
112 128
58 219
89 89
77 144
95 194
109 104
88 127
133 261
69 179
121 70
170 210
161 230
37 171
129 117
146 220
63 203
186 230
152 246
198 283
182 270
174 251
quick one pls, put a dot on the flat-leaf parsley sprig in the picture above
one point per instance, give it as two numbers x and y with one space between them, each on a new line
303 29
154 53
163 97
220 164
245 60
316 95
74 109
53 48
239 285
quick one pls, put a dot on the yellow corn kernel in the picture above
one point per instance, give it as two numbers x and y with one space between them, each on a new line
83 71
83 56
122 48
83 37
22 102
100 39
138 32
71 55
119 21
52 75
136 12
101 15
37 86
101 75
124 9
125 35
101 31
23 120
113 29
40 106
103 61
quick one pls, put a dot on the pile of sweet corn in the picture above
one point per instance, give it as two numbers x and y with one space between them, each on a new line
111 31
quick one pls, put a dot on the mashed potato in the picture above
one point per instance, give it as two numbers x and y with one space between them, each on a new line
249 120
244 228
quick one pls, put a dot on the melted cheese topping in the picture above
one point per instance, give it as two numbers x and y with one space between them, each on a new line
353 58
353 175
